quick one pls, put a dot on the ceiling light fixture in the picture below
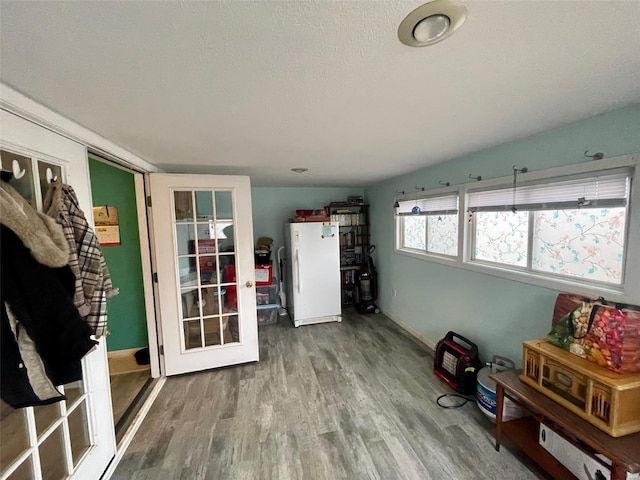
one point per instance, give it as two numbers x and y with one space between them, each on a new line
299 170
431 23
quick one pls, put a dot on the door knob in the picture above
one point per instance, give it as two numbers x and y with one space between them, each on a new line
249 284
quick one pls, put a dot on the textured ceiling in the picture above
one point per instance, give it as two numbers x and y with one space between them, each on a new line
256 88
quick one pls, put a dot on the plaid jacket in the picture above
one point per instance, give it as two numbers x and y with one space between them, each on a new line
93 282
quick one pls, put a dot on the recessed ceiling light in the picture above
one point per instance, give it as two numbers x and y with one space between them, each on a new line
431 23
430 28
299 170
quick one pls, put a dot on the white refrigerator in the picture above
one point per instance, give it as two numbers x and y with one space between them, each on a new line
312 270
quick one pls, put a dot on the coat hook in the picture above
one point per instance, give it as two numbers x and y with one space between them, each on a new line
477 178
420 188
396 204
446 184
514 209
595 156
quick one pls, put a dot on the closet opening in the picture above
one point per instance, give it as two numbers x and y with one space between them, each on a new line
120 218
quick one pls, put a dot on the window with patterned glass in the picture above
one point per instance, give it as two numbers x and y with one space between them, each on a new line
430 224
566 227
586 243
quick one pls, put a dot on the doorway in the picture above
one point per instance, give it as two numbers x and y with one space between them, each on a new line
113 192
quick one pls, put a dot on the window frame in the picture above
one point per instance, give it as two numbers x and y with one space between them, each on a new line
399 227
466 235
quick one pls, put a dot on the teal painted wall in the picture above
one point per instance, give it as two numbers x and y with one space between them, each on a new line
496 313
273 207
126 311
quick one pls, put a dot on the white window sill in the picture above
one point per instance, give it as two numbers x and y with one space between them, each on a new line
612 293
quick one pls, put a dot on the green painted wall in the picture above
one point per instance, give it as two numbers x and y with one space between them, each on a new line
273 207
126 311
496 313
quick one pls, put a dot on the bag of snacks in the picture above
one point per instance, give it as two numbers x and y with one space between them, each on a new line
603 332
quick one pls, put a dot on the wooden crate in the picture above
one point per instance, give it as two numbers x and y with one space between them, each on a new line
608 400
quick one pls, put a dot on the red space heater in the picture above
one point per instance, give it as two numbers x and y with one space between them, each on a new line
456 361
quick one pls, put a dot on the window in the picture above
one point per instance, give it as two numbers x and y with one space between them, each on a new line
569 227
432 227
502 237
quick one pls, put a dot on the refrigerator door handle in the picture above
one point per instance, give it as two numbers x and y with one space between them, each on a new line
298 270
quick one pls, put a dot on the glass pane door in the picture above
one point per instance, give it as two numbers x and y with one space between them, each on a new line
205 257
73 438
48 441
207 300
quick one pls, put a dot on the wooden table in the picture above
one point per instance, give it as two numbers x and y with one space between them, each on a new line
624 452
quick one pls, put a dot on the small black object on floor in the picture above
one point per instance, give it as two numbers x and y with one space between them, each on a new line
142 356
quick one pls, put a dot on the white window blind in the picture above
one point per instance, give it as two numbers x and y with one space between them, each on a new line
603 190
441 205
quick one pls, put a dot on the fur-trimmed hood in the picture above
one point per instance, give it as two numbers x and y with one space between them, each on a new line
38 232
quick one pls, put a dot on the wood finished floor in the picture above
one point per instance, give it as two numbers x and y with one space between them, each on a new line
350 400
125 387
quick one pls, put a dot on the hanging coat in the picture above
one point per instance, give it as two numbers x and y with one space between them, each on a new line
43 336
93 283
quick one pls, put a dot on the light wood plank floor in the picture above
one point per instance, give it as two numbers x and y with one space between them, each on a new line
350 400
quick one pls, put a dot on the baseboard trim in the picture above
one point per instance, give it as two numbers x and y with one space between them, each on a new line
133 429
411 331
123 353
124 361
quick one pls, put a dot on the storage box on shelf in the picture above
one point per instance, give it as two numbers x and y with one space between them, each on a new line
267 304
605 399
310 216
267 314
353 219
267 295
579 463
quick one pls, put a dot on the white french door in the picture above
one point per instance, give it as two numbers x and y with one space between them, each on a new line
74 438
203 237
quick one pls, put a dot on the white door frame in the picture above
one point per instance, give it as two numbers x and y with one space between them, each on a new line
154 327
144 233
147 254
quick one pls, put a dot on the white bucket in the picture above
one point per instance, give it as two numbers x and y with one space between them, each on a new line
486 391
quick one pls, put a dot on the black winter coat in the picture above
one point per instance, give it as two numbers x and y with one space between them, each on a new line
41 300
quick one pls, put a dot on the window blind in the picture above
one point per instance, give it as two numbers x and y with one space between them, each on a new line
604 190
441 205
